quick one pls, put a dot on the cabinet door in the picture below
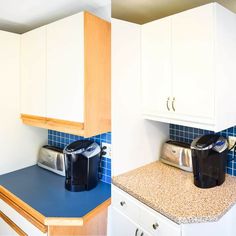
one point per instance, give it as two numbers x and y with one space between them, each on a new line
65 69
192 51
156 66
120 224
33 72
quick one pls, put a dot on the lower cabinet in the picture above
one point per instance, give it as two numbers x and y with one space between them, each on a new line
126 226
13 223
129 217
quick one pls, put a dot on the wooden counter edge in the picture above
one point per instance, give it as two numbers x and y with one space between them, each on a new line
39 220
70 127
61 221
23 209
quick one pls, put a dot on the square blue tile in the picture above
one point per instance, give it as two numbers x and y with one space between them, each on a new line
109 165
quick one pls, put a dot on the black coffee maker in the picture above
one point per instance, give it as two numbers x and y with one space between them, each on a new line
81 165
209 158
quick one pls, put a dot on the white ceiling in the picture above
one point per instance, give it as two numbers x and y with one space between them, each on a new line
20 16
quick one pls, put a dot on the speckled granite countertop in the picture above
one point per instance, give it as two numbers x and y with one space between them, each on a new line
171 192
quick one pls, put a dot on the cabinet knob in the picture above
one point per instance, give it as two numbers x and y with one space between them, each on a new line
122 203
167 103
155 226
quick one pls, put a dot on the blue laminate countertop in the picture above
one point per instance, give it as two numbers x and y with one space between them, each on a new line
44 191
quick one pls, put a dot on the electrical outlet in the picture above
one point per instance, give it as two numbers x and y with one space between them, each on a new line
231 141
107 150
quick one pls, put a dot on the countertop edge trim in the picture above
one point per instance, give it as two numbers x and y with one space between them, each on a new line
42 222
73 221
23 209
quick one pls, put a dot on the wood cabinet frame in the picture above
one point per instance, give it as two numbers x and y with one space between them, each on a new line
97 84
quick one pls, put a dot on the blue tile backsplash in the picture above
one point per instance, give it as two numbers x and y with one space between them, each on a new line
59 139
187 134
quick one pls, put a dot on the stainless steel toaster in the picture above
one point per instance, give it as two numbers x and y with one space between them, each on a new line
177 154
52 158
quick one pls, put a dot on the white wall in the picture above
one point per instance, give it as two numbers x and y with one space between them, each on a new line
19 143
135 141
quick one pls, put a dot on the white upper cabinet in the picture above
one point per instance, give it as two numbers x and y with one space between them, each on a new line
66 75
192 63
65 69
33 72
156 66
198 47
53 70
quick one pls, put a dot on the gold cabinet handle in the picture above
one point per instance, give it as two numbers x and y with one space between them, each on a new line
167 103
173 104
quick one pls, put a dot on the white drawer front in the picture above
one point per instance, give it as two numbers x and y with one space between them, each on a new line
125 204
156 224
6 229
19 220
151 221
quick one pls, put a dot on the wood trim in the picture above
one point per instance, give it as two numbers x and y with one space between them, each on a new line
71 127
97 86
97 225
31 120
15 227
56 221
39 220
96 210
24 209
59 221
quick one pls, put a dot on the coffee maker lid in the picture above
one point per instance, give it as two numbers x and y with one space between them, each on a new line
204 142
77 147
210 141
207 141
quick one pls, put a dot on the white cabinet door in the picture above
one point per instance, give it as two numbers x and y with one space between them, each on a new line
192 62
156 66
65 69
33 72
5 229
122 225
